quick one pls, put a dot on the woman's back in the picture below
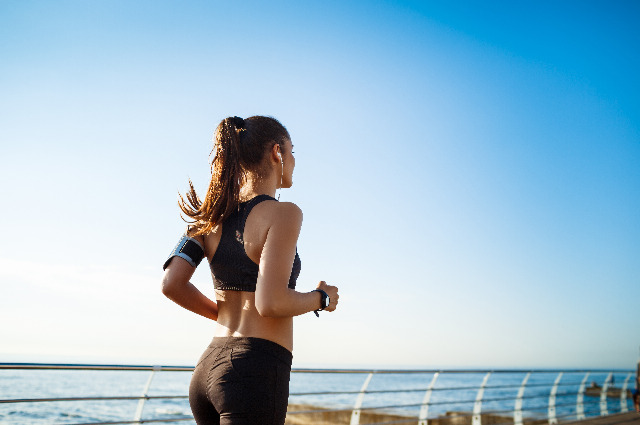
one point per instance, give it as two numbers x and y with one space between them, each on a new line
237 311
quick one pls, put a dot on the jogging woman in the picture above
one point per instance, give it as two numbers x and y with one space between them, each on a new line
249 240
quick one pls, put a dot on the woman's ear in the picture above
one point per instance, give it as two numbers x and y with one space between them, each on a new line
276 153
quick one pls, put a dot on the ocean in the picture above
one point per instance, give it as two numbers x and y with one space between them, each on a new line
453 392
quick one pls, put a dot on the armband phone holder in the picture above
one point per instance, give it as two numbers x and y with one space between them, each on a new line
188 249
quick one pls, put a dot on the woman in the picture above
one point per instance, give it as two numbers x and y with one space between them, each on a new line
249 240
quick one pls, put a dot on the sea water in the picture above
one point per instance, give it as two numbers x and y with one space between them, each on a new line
453 392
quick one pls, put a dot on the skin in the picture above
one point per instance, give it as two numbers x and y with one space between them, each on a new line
270 238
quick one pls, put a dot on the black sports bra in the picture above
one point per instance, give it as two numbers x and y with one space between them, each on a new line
231 266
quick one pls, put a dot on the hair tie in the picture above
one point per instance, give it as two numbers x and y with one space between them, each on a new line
238 122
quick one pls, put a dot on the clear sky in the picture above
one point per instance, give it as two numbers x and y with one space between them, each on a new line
469 174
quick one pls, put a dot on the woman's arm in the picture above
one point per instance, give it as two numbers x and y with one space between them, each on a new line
273 297
176 286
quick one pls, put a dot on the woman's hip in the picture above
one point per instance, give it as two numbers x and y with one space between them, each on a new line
244 376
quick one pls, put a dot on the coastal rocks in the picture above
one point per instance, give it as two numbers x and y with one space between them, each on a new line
300 414
612 392
317 416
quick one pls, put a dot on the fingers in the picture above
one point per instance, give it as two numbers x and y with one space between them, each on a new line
333 298
332 291
333 302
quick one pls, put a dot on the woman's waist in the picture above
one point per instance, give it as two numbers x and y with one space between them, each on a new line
253 344
279 331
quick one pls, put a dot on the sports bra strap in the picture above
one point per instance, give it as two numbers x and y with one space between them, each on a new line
247 209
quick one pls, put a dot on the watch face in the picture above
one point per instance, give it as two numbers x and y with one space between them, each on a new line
325 302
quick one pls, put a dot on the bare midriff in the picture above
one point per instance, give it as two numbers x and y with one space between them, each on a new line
238 317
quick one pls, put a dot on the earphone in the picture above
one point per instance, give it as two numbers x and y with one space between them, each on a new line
282 174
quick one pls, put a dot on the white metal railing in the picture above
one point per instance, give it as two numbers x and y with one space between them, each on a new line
562 394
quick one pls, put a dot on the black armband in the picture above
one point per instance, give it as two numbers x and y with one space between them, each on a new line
188 249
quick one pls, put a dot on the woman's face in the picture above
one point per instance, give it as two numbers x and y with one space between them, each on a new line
288 163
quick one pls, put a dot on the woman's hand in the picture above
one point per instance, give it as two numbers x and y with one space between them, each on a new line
332 291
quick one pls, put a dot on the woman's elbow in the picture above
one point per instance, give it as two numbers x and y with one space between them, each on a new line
267 308
168 287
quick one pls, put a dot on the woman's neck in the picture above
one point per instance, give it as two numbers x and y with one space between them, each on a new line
255 186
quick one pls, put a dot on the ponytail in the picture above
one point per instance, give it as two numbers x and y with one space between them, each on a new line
223 194
239 146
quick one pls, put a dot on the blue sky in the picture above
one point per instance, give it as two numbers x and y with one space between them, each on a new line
469 174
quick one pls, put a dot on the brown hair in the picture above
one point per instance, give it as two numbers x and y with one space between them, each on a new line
239 147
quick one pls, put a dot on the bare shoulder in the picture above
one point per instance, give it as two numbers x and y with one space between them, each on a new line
289 210
286 214
283 214
273 208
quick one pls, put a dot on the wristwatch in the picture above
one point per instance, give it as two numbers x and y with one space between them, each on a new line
324 303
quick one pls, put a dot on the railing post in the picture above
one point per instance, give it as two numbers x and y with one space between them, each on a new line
355 415
603 395
424 408
145 392
552 400
517 412
623 395
477 406
580 400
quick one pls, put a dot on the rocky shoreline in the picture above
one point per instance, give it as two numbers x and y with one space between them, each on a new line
308 415
303 414
612 392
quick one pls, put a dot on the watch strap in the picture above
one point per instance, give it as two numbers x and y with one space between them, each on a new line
324 304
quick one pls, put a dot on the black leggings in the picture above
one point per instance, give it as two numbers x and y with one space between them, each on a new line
241 381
